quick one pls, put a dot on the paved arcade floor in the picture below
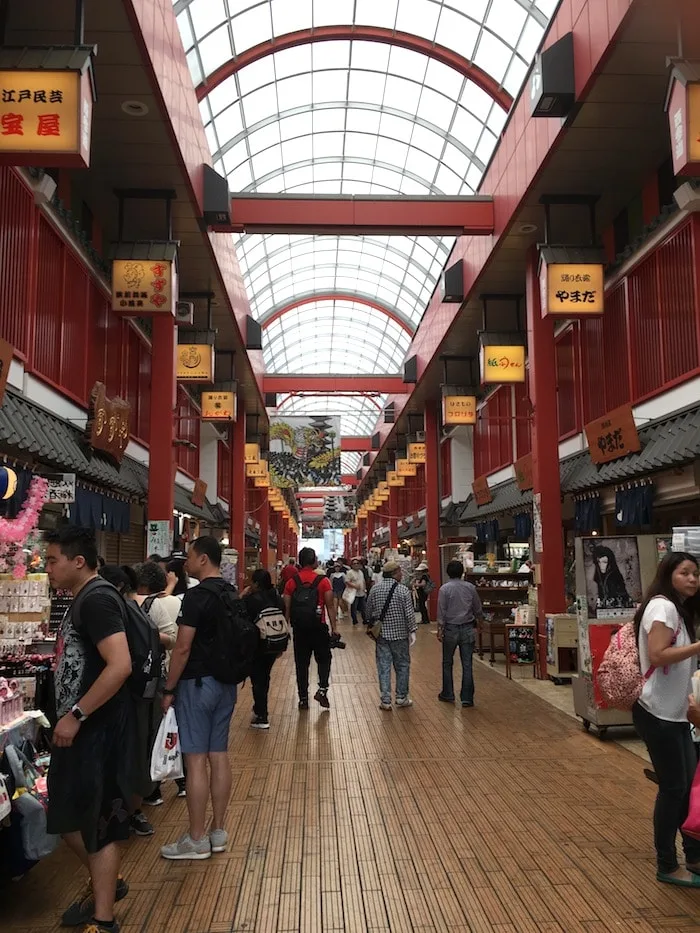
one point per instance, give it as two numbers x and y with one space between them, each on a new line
506 818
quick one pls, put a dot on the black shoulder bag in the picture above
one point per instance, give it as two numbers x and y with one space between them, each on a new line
375 629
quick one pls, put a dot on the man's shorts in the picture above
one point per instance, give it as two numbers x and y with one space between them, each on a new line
204 715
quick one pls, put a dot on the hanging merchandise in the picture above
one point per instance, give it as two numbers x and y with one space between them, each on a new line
14 532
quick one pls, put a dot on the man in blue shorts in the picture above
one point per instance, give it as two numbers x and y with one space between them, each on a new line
204 706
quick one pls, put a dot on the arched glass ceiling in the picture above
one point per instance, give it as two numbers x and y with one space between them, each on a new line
353 117
358 414
334 336
350 462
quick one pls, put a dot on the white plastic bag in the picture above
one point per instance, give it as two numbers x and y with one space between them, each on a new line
349 594
166 757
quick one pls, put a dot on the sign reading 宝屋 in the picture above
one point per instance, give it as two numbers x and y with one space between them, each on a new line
252 453
159 538
572 289
613 436
417 453
45 117
199 493
684 126
143 286
502 364
195 363
523 472
219 406
459 409
406 468
393 478
107 426
481 490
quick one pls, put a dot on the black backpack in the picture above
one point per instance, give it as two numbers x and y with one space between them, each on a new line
236 640
304 612
142 635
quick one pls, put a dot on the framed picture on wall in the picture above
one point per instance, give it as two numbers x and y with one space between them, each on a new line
613 576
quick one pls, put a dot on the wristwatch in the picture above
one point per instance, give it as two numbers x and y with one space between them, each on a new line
78 713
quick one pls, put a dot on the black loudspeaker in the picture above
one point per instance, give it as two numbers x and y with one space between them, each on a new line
376 441
453 283
270 400
359 474
365 460
390 414
253 334
553 80
217 199
410 369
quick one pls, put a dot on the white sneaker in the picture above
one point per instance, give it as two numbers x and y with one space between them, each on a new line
404 701
187 848
218 839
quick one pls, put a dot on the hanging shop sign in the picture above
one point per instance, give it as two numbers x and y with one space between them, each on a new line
406 468
571 290
252 453
256 470
199 493
46 115
144 287
482 491
459 409
61 488
501 363
107 427
417 453
262 482
523 472
393 478
195 363
219 406
159 538
6 352
683 108
613 436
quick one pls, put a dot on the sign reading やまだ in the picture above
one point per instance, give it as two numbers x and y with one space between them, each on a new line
482 491
195 362
502 363
143 286
107 426
613 436
572 289
45 117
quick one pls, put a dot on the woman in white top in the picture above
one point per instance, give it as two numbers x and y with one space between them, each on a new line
355 581
668 653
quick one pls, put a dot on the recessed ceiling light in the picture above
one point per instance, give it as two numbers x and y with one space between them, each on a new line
527 228
135 108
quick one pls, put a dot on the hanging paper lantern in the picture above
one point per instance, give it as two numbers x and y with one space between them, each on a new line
8 482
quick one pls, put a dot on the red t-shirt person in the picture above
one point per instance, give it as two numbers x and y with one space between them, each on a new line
308 575
288 572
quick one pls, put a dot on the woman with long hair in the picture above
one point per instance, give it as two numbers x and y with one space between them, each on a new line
261 594
612 592
665 627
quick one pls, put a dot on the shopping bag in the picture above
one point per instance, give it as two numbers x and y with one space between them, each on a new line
349 595
166 757
691 827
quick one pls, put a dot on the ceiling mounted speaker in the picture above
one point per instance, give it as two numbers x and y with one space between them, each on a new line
553 81
410 370
270 400
376 441
453 283
253 334
217 199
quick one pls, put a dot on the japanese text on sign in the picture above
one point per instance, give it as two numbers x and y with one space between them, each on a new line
459 409
218 406
39 111
573 289
141 286
502 364
613 436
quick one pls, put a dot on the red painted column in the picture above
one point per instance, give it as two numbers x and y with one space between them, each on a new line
551 590
237 498
161 464
361 526
393 518
432 499
264 530
370 531
277 519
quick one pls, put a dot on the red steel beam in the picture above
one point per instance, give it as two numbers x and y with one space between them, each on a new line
349 479
305 382
405 40
355 444
381 215
342 296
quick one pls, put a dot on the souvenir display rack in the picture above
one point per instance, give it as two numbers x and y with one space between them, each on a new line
521 640
500 593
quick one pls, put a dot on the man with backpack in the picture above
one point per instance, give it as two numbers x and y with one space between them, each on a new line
309 607
214 651
88 782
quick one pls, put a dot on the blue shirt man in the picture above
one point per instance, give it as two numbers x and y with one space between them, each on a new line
459 610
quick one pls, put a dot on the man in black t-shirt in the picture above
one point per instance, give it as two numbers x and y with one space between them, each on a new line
204 705
87 782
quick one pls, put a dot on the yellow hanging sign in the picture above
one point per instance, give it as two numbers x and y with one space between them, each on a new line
406 468
252 453
459 409
502 364
417 452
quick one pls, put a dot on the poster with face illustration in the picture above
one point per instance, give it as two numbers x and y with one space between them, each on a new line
613 577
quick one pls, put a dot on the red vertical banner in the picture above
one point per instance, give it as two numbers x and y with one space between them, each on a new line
432 499
547 518
237 498
161 464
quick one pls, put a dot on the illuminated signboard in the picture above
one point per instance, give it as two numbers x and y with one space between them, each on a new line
572 289
256 470
683 106
143 287
195 363
459 409
252 453
405 468
219 406
394 479
502 364
417 453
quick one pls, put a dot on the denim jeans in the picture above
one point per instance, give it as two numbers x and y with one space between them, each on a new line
674 759
359 604
464 638
396 653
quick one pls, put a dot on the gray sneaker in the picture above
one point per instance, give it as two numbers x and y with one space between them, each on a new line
404 701
218 839
187 848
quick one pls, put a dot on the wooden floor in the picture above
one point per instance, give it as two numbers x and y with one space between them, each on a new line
504 818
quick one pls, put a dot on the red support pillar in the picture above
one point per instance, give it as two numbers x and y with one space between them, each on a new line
361 526
432 498
277 519
161 464
393 518
264 531
237 498
551 591
370 532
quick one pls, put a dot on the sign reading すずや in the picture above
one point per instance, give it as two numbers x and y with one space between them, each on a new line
45 117
143 286
613 436
107 426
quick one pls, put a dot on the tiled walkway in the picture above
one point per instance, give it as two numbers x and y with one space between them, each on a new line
505 818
